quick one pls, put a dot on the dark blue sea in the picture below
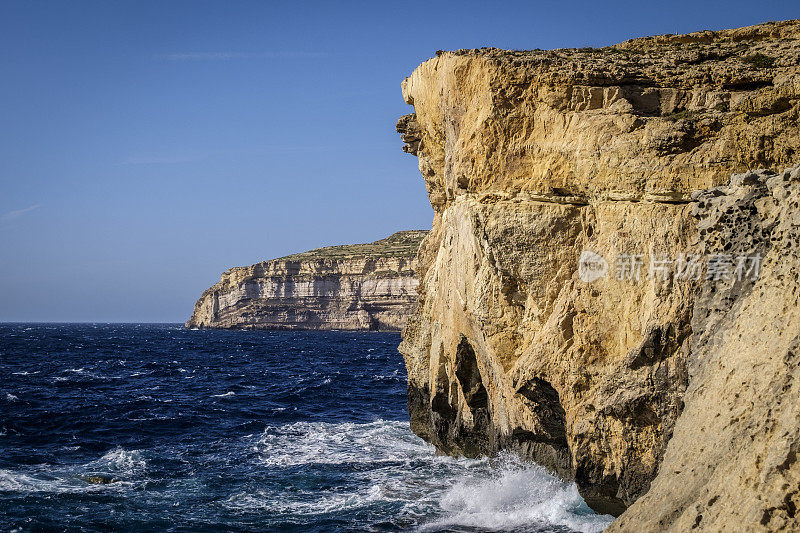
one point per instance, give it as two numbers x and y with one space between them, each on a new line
113 427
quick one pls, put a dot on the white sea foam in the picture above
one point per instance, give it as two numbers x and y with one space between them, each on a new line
12 398
84 373
307 502
12 481
17 482
387 377
225 395
121 462
397 468
329 443
515 497
56 481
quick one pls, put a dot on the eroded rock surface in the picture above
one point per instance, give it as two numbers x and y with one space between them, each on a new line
732 462
354 287
530 159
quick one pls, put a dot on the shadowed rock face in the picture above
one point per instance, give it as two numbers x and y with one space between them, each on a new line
531 158
354 287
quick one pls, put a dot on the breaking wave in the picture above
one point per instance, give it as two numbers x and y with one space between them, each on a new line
395 466
116 470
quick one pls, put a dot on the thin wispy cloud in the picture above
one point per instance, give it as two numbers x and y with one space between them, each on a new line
18 213
229 56
162 159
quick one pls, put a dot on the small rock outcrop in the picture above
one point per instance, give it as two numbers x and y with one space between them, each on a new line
661 382
353 287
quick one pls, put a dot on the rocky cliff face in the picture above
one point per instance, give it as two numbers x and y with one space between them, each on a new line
355 287
573 305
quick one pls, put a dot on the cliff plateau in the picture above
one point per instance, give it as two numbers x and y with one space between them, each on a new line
668 393
354 287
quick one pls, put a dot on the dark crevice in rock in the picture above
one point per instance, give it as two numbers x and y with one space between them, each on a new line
546 441
544 402
660 342
469 377
477 438
599 491
419 399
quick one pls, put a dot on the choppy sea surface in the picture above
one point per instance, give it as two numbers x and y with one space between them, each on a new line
114 427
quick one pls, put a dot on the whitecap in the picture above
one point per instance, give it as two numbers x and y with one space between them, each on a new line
12 398
66 482
303 502
84 373
303 443
120 461
17 482
437 493
516 496
225 395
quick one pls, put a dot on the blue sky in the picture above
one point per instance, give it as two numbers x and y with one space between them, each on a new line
145 147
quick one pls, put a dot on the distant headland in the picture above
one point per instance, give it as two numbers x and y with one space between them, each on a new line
351 287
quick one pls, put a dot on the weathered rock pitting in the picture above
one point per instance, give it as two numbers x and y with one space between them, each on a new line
531 158
354 287
732 461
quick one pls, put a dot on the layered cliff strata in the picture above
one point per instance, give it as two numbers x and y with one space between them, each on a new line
353 287
631 380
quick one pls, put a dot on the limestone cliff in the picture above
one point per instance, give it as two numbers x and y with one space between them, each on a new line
355 287
638 384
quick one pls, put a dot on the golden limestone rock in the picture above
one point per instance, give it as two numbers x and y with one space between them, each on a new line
353 287
571 308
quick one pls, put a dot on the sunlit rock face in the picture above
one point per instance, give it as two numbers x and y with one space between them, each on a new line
355 287
621 380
